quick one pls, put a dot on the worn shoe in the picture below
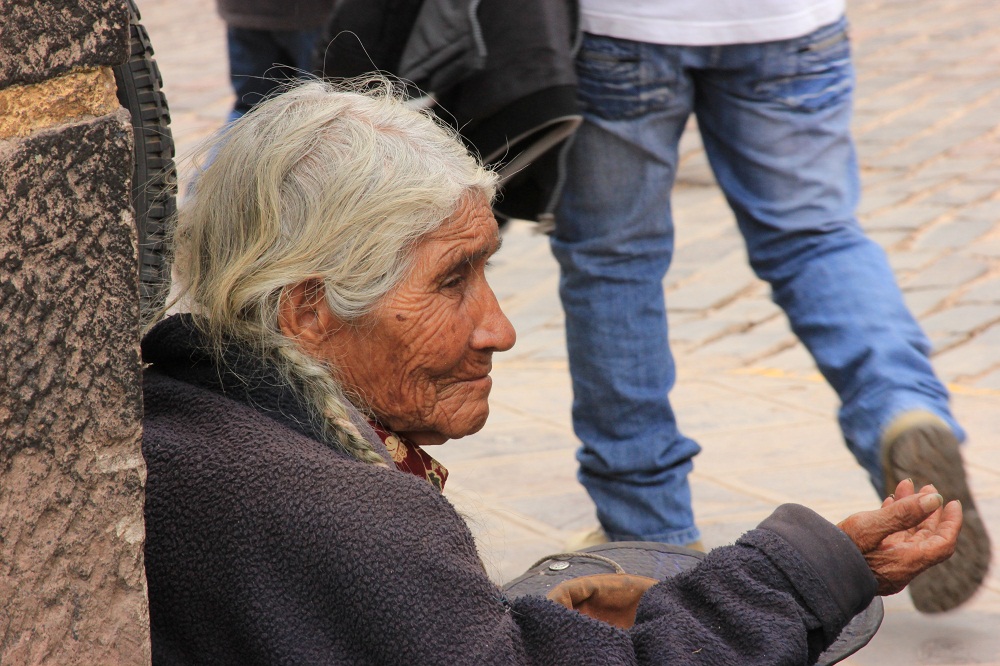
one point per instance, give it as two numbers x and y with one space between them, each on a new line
597 536
918 445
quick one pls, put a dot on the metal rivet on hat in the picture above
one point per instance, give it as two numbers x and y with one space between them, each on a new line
558 566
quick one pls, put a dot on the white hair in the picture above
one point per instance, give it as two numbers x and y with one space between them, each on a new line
319 182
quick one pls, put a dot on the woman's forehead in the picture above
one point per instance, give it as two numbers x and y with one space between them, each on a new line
472 230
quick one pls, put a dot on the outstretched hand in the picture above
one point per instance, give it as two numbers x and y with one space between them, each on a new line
909 534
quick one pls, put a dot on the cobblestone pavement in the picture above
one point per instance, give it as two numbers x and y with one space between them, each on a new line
928 132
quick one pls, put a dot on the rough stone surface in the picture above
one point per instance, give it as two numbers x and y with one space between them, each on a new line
24 109
41 40
72 588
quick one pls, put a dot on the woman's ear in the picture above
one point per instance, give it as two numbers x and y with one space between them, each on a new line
304 316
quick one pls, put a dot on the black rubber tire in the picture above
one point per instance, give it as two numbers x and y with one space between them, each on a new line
154 179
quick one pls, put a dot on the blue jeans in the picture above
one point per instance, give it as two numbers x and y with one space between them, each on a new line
775 122
262 60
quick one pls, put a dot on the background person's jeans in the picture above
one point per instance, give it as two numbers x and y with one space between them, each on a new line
261 60
774 120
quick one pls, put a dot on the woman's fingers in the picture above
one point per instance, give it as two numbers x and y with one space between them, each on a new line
910 533
898 560
904 489
868 528
949 522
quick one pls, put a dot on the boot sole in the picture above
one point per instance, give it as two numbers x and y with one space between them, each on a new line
929 453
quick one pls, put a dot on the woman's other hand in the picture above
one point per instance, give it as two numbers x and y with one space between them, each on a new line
910 533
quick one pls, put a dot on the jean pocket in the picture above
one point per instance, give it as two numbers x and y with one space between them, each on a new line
813 72
617 79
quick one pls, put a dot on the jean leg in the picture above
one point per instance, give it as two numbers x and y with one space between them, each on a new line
613 241
775 120
262 60
300 47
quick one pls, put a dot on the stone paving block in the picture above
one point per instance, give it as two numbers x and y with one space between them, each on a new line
983 292
963 192
699 329
875 198
526 289
922 301
987 174
725 531
824 487
889 238
990 380
708 250
534 308
694 169
502 438
985 116
870 141
905 216
941 342
960 319
968 143
691 137
968 637
952 271
518 475
794 361
569 511
972 358
919 185
890 102
882 178
699 406
988 248
715 502
703 294
757 342
983 459
766 448
751 308
871 84
953 234
904 129
678 274
708 220
808 395
905 261
957 166
979 413
988 210
544 344
687 197
533 390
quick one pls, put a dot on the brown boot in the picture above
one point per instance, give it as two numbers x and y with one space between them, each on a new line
918 445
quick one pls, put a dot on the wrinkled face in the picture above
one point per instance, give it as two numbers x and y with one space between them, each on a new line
421 363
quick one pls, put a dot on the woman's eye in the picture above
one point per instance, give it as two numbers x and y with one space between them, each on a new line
453 282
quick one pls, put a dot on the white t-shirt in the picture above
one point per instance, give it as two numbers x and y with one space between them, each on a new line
707 22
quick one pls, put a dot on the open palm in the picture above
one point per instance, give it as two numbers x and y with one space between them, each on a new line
910 533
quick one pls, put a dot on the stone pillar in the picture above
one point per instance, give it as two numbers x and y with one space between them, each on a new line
72 585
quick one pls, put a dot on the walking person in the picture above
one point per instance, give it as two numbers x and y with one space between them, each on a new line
269 42
771 85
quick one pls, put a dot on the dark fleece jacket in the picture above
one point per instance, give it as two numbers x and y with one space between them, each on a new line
267 546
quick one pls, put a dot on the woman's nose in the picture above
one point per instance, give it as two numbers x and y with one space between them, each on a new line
495 332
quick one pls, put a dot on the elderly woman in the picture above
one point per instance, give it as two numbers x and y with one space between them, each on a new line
333 260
